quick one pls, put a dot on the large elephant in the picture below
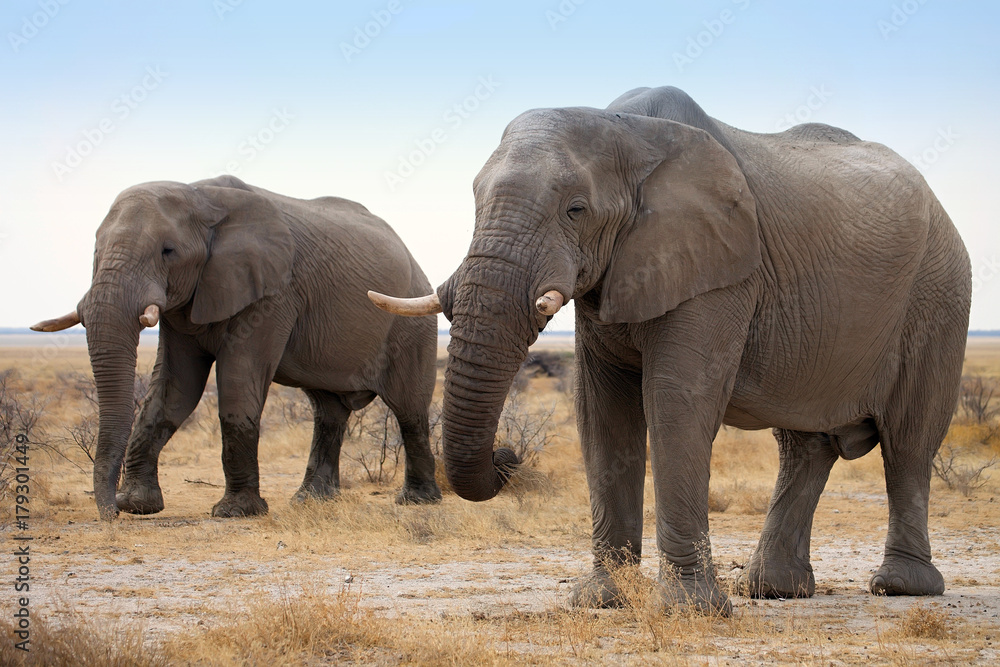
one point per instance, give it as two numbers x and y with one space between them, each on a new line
269 288
807 281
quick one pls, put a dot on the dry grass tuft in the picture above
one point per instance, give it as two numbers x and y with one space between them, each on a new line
288 631
82 642
739 495
920 622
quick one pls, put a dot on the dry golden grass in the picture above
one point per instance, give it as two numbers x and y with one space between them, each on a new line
926 622
464 583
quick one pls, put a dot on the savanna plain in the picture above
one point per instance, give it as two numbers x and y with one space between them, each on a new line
360 579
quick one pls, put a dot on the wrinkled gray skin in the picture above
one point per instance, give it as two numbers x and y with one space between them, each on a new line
806 281
269 288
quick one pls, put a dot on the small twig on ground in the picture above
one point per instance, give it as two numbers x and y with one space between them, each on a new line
200 481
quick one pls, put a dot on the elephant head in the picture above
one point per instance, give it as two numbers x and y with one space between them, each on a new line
637 213
204 251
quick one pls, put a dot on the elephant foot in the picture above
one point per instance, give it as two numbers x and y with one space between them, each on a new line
316 492
776 579
905 576
426 493
139 498
596 591
699 593
246 502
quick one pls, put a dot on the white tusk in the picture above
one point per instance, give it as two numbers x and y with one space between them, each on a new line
150 316
549 303
58 324
414 307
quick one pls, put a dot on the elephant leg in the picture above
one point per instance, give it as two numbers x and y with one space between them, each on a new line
690 361
912 438
613 441
177 384
240 436
906 567
780 565
915 422
322 478
245 366
419 486
407 387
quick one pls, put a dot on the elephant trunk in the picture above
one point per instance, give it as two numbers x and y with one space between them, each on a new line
474 394
491 304
112 340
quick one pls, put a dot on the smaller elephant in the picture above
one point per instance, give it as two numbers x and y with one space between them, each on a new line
267 288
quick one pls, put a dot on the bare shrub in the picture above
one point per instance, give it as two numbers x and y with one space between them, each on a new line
83 435
928 622
20 411
288 406
524 430
379 443
961 477
974 398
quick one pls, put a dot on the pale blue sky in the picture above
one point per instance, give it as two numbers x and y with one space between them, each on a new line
921 77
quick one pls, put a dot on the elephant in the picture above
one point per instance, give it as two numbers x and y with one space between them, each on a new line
805 281
268 288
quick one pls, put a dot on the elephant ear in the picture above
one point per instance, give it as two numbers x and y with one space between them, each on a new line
695 229
249 257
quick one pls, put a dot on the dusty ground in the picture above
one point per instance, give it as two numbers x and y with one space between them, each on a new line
466 583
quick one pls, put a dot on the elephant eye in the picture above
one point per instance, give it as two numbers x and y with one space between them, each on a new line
575 211
168 250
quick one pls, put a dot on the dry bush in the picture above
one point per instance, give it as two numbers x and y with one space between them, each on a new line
920 622
974 398
286 406
80 641
377 444
82 434
524 429
21 409
962 477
